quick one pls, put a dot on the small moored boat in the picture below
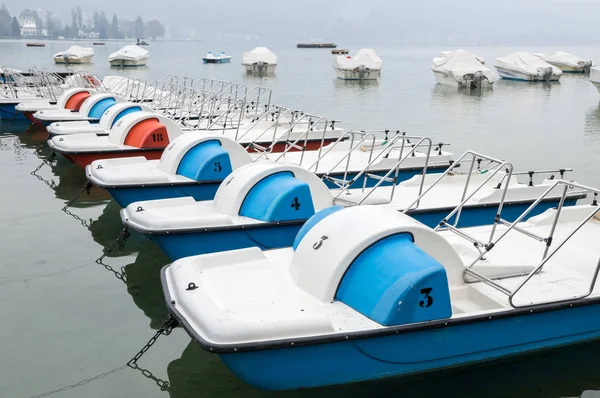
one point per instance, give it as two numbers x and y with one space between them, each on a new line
71 99
91 109
526 67
36 44
196 164
462 69
129 56
340 51
260 61
75 55
365 65
566 62
595 77
108 119
221 58
372 293
144 134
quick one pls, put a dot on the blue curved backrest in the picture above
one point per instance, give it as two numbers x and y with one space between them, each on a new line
124 112
100 107
394 282
207 161
311 222
278 197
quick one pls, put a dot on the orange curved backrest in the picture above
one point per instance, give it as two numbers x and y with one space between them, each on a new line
149 133
74 103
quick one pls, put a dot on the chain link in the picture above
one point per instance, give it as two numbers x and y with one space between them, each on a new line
165 329
120 243
48 161
86 188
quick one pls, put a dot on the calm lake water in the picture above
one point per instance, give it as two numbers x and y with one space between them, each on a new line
69 325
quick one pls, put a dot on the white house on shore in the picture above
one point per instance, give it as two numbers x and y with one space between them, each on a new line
29 23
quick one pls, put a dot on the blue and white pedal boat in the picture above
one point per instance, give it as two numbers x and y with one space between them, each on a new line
367 293
91 110
107 121
220 58
265 204
195 164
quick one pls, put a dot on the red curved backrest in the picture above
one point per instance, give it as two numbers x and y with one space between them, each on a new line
149 133
74 103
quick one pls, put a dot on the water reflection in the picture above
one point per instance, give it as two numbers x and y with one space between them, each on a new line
357 85
591 129
143 282
442 92
71 178
106 228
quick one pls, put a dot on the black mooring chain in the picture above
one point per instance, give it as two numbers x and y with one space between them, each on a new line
86 188
48 161
166 329
120 243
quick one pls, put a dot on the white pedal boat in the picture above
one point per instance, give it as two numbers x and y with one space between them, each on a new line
365 65
261 136
526 67
566 62
220 58
108 119
462 69
260 61
27 104
264 204
195 164
373 293
140 133
91 110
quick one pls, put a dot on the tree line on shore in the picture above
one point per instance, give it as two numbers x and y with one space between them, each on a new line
99 26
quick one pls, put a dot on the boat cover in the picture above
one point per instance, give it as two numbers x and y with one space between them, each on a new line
364 56
130 53
524 62
444 54
259 54
76 52
563 59
459 63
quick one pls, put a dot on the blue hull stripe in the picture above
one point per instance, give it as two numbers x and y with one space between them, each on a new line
8 112
414 352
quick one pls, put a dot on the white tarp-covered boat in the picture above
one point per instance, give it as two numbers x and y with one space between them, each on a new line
365 65
130 55
595 77
75 55
566 62
526 66
260 61
461 69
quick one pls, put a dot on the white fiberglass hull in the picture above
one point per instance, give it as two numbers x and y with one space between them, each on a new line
529 77
128 62
63 60
446 80
346 74
254 70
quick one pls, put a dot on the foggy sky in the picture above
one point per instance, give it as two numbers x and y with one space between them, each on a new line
476 22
